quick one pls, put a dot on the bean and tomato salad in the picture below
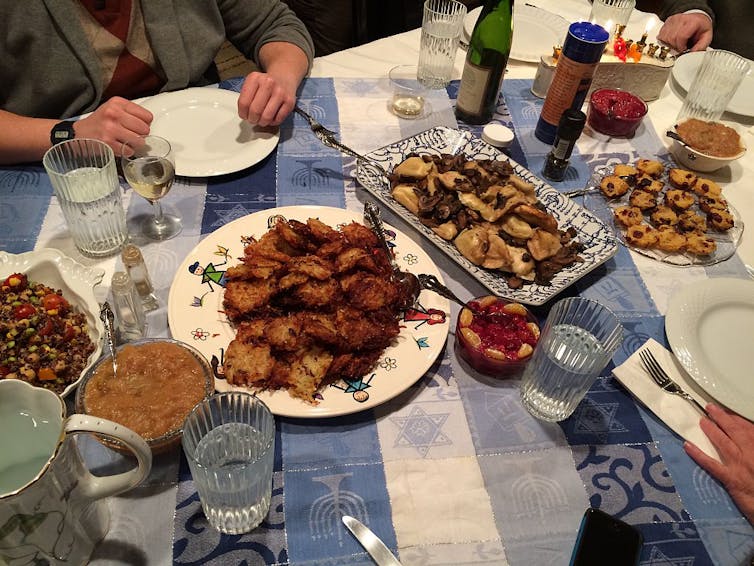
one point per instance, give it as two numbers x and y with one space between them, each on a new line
44 340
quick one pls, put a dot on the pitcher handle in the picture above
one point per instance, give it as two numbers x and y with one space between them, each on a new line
98 487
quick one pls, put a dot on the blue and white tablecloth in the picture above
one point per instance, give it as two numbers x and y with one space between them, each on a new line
453 471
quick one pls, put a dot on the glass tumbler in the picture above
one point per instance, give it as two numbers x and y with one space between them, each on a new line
716 81
229 442
579 338
611 13
441 31
85 179
407 92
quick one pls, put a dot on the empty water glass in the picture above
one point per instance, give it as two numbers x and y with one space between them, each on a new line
441 32
716 81
229 442
576 343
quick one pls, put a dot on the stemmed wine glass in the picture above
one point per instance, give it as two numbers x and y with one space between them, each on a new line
150 170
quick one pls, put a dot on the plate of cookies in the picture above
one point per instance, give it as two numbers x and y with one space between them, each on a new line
666 213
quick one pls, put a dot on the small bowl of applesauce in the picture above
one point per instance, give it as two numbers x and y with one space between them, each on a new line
158 383
706 146
496 336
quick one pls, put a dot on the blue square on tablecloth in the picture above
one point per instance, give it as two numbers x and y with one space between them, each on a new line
497 420
673 543
727 541
25 193
316 180
317 498
350 439
607 415
630 482
622 290
233 196
534 491
313 87
553 548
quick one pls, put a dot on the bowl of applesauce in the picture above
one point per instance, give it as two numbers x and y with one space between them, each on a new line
157 384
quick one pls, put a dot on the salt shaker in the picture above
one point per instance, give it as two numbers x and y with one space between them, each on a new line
137 271
129 312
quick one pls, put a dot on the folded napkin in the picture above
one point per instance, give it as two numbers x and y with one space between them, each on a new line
680 415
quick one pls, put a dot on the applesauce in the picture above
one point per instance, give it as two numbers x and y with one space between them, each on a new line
710 138
157 385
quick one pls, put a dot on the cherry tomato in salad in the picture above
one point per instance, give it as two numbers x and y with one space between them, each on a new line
24 311
53 301
16 281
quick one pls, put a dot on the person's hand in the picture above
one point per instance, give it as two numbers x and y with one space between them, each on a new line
116 122
687 31
265 99
733 437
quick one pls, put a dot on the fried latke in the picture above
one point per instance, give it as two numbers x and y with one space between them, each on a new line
311 305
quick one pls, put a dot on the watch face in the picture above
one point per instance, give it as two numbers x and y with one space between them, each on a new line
62 132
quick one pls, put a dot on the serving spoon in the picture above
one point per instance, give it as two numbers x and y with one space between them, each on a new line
410 283
108 319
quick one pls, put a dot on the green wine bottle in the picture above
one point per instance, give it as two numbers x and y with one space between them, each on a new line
486 59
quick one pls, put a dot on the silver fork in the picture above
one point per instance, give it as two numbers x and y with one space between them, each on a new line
658 375
327 137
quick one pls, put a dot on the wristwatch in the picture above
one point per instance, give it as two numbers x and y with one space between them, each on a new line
61 132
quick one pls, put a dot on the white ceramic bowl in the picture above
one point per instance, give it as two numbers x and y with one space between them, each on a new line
695 160
55 269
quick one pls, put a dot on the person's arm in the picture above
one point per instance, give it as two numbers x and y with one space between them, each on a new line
267 98
117 121
733 437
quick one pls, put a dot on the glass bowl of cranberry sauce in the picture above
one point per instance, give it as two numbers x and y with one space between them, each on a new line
495 336
615 112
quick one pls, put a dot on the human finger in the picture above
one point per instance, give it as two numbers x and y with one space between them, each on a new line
260 101
722 442
248 91
738 428
706 462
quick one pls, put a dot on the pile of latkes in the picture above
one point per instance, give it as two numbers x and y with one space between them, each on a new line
311 305
671 210
491 215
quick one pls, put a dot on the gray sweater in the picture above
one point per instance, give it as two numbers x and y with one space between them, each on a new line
733 20
49 70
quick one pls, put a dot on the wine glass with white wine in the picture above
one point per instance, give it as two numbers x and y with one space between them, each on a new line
150 170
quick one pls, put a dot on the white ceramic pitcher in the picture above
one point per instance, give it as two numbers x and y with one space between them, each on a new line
51 507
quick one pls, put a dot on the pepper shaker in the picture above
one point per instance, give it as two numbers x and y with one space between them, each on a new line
569 129
129 311
133 260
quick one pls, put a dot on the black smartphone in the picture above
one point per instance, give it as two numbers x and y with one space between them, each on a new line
603 539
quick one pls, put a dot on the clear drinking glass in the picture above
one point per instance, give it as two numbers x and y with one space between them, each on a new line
611 13
579 338
150 170
441 32
85 180
716 81
229 442
408 93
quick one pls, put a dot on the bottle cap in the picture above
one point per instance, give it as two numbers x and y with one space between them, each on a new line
571 124
497 135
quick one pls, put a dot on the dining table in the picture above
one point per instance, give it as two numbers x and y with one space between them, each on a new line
453 470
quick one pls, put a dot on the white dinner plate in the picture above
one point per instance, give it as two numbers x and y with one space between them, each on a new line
207 136
710 325
195 315
742 102
535 31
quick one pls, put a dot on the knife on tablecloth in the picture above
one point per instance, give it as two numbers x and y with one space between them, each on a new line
371 542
